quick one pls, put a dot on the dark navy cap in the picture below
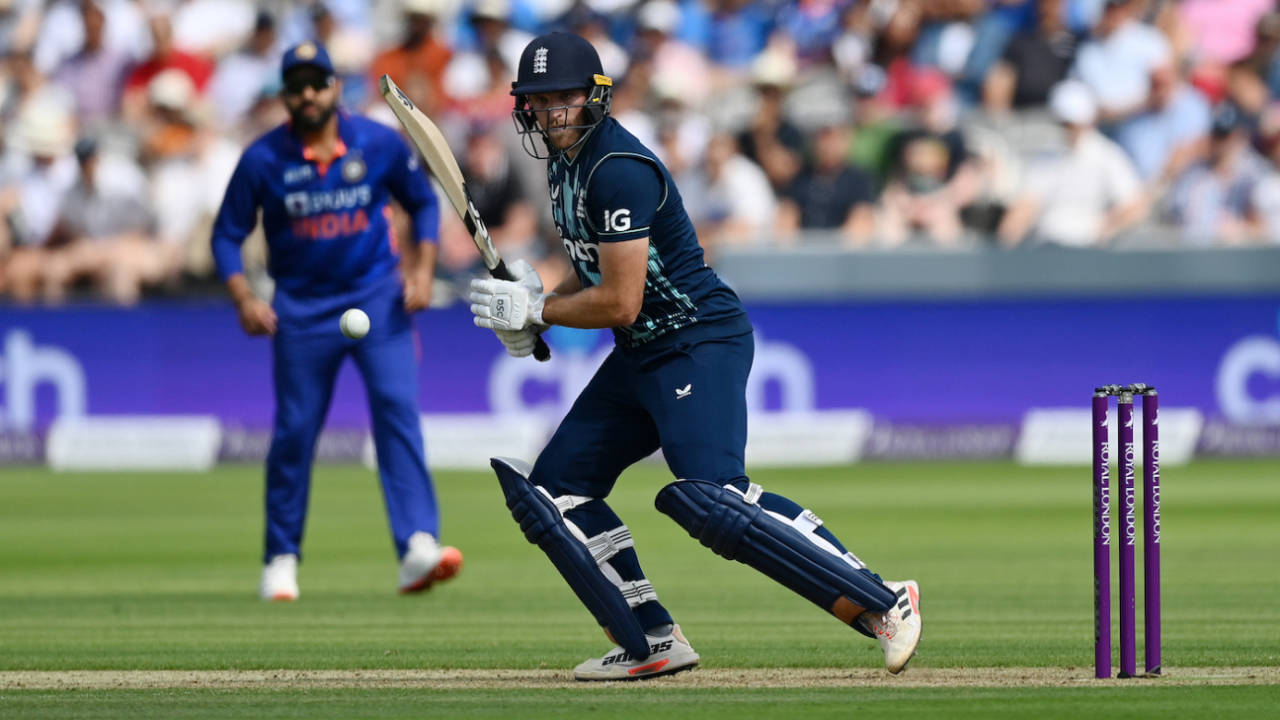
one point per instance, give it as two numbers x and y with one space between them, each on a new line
557 61
307 53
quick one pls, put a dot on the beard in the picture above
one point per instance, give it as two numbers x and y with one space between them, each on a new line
310 122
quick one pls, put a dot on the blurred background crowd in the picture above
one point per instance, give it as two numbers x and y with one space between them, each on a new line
868 124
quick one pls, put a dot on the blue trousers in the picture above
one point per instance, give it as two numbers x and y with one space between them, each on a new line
305 368
688 398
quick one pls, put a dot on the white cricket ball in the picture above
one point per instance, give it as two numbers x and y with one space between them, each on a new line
354 323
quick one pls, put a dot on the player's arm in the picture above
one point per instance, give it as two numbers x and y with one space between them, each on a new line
409 186
236 219
616 301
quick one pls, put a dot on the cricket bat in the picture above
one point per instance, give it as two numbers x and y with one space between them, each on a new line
435 150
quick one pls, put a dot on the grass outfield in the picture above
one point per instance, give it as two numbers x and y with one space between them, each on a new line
158 572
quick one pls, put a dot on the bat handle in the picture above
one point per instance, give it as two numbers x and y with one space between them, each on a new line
541 352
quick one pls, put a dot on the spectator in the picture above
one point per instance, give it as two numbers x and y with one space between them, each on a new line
1118 60
682 131
500 199
1254 80
1034 61
43 172
189 166
241 77
1169 133
738 206
814 26
831 194
164 56
418 62
94 76
932 176
1087 196
771 140
672 60
739 31
594 26
1215 200
62 31
491 22
1267 197
103 231
479 85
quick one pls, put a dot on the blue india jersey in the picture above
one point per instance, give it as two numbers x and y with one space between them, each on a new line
616 189
326 226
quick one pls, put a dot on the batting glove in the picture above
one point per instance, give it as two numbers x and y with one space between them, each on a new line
505 305
519 343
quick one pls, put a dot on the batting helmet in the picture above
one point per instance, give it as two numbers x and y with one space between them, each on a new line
551 63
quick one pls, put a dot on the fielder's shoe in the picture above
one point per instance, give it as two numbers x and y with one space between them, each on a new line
280 579
670 653
425 562
898 628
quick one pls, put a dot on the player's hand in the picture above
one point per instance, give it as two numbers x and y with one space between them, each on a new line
417 291
256 317
522 271
519 343
507 305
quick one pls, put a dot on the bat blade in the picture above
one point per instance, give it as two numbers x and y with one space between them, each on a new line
431 143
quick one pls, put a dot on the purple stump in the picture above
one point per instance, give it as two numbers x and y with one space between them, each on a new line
1101 537
1151 516
1128 538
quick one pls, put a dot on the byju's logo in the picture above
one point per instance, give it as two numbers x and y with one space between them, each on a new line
1248 381
24 366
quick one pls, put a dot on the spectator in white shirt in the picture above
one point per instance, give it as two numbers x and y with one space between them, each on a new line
1085 197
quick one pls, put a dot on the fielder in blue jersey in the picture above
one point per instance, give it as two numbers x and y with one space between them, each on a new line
676 380
322 182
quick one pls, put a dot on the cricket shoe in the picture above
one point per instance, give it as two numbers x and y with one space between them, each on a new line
426 562
280 579
898 628
669 652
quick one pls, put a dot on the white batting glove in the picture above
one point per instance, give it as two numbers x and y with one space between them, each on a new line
522 271
519 343
506 304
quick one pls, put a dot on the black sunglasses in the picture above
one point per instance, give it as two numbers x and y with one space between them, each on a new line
297 86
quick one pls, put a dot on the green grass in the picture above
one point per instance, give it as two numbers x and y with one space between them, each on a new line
159 571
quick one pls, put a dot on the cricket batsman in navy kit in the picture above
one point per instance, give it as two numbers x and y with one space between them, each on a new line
676 380
322 182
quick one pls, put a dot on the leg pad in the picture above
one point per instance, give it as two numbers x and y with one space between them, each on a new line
737 528
543 525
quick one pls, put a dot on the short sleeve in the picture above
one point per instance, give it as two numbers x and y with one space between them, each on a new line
623 197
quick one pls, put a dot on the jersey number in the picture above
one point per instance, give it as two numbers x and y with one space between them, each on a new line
617 221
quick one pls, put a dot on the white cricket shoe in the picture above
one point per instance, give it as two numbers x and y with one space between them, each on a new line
669 653
898 628
280 579
425 562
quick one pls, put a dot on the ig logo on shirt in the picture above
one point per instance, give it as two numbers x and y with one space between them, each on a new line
617 220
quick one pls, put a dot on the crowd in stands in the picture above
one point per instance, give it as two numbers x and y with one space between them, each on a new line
867 123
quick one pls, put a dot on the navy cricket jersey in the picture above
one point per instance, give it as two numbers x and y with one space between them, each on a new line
616 189
326 227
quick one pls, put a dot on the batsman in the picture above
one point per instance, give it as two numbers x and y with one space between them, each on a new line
676 380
